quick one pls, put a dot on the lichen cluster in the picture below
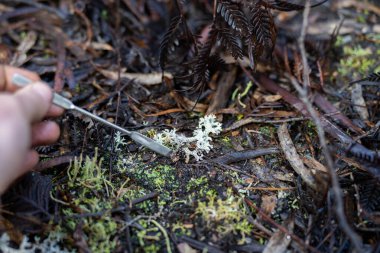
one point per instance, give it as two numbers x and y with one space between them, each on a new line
196 145
52 243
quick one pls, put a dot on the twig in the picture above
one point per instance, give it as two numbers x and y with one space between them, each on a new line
54 162
61 59
245 155
339 209
144 198
251 120
267 218
40 6
204 247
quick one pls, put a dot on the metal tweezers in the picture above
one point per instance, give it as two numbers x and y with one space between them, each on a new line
65 103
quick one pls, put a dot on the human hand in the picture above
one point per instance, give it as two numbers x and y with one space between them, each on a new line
22 124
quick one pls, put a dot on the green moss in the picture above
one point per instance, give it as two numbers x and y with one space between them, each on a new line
362 18
225 216
101 234
357 61
23 35
156 177
91 193
267 130
88 173
153 238
179 229
311 129
339 41
196 183
104 14
226 140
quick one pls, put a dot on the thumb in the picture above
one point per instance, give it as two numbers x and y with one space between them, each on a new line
35 101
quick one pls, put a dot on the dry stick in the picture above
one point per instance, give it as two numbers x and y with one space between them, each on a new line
118 81
339 209
267 218
55 11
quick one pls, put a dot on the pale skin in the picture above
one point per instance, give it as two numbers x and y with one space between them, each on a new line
23 124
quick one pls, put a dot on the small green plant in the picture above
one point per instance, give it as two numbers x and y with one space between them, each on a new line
88 173
226 140
357 61
152 236
225 216
91 193
267 130
180 229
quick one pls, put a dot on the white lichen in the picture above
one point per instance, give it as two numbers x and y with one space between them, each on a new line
196 145
119 141
50 244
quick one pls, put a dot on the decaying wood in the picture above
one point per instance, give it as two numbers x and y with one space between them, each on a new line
292 156
222 93
279 242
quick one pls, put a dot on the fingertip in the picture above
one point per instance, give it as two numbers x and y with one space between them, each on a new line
43 90
31 160
44 133
55 111
35 101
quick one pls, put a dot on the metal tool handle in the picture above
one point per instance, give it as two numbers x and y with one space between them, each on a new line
136 136
63 102
67 104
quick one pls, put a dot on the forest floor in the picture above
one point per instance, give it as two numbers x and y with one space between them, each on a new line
293 167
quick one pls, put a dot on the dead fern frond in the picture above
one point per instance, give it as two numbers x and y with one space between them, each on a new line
201 72
373 78
241 28
170 40
262 26
233 16
231 43
286 6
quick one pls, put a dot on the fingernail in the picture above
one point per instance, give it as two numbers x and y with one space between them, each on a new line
20 80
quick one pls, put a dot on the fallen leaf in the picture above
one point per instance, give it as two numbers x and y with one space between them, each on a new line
314 165
272 98
280 241
359 102
142 78
185 248
20 57
269 203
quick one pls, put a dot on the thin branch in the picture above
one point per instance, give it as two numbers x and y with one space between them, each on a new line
303 92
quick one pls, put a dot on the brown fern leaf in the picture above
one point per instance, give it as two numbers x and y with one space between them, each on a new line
286 6
170 40
374 78
201 72
216 64
370 195
255 50
262 26
262 32
233 15
230 43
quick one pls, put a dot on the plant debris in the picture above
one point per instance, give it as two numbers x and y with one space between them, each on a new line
295 85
